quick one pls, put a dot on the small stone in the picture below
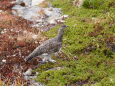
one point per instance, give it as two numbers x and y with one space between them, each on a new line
1 11
2 32
65 16
4 61
14 55
28 72
52 21
78 3
34 36
36 42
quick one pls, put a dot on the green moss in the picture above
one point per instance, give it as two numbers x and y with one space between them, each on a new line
85 39
98 4
93 3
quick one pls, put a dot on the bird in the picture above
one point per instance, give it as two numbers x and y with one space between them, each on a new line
48 47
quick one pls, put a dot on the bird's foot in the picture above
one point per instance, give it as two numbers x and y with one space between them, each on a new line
51 60
41 62
44 61
48 59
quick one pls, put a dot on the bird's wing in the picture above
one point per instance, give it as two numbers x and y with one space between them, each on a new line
50 47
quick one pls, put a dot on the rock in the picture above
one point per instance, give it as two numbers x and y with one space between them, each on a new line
28 72
56 68
52 21
44 4
1 11
78 3
25 2
34 36
36 2
34 83
4 61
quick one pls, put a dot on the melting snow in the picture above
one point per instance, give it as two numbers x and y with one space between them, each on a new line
40 16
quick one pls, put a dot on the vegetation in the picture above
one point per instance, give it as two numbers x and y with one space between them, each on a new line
88 46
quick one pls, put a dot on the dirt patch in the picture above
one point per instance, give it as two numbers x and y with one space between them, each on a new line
17 40
6 4
97 30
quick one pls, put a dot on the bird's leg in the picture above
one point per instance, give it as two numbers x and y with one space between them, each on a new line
50 59
47 57
56 54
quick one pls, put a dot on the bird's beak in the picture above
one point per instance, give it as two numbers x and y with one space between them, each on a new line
67 26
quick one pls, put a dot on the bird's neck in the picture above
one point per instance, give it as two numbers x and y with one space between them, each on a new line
60 35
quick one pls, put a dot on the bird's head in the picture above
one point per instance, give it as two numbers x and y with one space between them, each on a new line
60 32
62 28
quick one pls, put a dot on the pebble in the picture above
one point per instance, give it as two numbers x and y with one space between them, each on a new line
4 61
28 72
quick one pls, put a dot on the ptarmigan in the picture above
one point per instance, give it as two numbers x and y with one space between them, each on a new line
48 47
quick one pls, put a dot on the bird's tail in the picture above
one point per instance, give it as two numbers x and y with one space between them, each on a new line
30 57
27 59
35 53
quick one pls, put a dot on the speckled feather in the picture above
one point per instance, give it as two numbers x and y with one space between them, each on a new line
50 46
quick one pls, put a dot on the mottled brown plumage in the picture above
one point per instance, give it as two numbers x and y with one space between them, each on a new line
48 47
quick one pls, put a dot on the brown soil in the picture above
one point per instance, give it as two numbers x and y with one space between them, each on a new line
15 45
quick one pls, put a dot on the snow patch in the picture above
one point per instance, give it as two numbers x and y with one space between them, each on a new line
40 16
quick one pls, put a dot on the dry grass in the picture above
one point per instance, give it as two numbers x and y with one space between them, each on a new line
17 40
44 4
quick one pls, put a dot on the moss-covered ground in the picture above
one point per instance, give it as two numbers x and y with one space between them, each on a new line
88 46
